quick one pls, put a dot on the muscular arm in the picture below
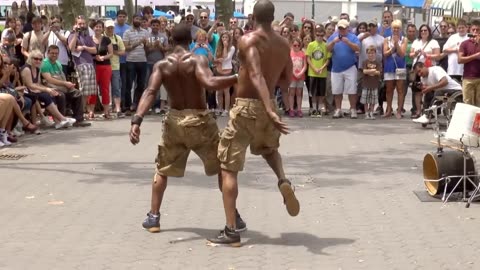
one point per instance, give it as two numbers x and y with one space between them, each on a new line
150 93
442 83
207 80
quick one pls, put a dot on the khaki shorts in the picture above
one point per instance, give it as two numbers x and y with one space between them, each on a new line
471 91
249 124
185 130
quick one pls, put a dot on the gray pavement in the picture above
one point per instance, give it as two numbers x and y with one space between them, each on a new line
78 199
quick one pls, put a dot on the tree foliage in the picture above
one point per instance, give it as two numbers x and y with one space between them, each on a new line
70 9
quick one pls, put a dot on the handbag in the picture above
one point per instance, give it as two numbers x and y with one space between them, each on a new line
400 73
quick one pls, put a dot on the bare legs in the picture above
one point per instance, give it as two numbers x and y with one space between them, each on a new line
401 97
390 88
159 185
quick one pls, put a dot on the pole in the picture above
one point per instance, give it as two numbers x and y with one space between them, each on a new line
30 5
313 9
136 10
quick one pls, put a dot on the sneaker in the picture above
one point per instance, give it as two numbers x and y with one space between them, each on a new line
82 124
62 124
422 119
300 113
120 115
47 122
379 111
372 117
310 111
4 139
71 121
291 113
227 237
289 199
240 224
367 116
353 114
157 110
162 112
152 223
224 113
337 113
318 114
314 113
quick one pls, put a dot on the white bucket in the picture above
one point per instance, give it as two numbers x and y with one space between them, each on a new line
460 128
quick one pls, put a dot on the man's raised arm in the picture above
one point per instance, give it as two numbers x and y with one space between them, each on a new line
207 80
150 92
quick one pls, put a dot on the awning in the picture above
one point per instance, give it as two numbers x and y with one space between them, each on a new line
462 5
405 3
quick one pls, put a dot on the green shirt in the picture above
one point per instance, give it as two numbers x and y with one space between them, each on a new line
408 59
318 54
53 69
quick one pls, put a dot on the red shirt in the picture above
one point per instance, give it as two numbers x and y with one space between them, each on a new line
298 60
471 70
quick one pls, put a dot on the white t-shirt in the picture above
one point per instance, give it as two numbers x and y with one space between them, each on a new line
227 61
453 42
418 44
376 41
54 40
435 74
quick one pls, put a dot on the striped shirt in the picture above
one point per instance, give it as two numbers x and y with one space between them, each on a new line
131 36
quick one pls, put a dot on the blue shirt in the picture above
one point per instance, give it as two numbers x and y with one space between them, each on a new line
387 33
201 50
119 30
214 43
343 57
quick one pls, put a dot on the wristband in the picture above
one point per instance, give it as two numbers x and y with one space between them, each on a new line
137 120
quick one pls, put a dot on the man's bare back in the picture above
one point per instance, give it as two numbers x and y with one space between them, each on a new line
184 77
264 55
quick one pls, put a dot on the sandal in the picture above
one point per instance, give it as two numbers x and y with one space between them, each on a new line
30 127
107 117
91 116
415 116
289 199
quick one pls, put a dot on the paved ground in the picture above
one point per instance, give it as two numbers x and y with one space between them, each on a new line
78 199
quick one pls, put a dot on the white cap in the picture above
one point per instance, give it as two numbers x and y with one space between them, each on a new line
109 23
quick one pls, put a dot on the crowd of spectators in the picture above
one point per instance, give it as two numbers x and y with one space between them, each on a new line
56 77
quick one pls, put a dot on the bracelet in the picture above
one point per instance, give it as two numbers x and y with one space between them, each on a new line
137 120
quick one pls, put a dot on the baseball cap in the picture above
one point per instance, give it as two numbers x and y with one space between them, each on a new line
189 14
334 19
373 23
109 23
343 23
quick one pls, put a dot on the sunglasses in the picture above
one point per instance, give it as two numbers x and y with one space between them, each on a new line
307 27
424 30
37 58
203 17
233 22
341 28
296 45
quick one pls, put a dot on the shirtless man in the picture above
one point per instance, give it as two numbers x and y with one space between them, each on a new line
188 125
253 119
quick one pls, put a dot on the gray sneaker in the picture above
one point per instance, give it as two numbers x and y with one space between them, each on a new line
152 223
337 113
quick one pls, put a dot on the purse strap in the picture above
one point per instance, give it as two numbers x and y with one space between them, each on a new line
418 57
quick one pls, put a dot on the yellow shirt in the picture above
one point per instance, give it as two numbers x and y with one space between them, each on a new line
115 60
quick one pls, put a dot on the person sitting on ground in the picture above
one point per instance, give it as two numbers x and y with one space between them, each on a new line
52 72
434 81
36 91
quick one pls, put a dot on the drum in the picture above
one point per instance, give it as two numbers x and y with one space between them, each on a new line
448 163
460 128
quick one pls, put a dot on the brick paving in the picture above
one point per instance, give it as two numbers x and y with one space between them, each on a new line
78 199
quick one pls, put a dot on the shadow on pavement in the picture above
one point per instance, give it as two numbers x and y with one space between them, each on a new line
313 243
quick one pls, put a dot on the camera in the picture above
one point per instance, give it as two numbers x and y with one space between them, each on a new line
470 35
418 85
80 30
340 37
115 47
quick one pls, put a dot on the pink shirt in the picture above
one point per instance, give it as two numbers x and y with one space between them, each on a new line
298 60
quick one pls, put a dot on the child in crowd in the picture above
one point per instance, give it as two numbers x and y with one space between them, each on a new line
318 58
371 79
299 61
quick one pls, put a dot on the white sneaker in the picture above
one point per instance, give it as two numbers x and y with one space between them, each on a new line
47 122
157 110
4 139
225 113
353 114
337 113
367 116
62 124
372 117
71 121
422 119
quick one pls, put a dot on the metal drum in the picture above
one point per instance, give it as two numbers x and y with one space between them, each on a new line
448 163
